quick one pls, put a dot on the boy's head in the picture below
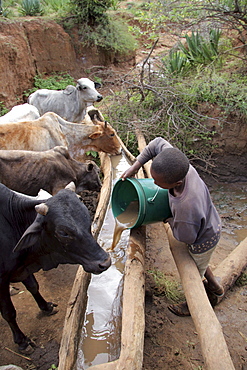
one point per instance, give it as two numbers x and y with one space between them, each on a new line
169 168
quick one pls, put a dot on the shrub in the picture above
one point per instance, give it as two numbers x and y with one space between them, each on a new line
91 12
112 36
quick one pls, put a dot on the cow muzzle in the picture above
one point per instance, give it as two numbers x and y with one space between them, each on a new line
99 98
103 266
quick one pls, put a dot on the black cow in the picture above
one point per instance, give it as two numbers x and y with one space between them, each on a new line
41 235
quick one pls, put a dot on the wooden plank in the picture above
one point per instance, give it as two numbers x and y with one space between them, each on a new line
213 345
232 266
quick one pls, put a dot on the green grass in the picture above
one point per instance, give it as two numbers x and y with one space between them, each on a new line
242 280
167 287
53 82
3 109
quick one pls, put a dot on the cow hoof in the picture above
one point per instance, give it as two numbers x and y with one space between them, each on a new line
27 348
51 309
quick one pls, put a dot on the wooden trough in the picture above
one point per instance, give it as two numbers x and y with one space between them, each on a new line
209 330
133 315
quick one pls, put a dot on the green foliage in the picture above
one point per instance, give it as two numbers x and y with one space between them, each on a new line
170 288
3 109
91 12
54 82
53 367
31 8
166 107
196 51
93 156
92 153
5 11
177 62
57 6
229 92
113 36
169 107
242 280
200 51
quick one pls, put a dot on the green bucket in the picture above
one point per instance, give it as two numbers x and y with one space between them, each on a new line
139 202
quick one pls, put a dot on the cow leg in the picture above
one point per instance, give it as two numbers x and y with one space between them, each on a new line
9 314
33 287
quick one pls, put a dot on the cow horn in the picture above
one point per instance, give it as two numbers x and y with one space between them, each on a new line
71 186
42 209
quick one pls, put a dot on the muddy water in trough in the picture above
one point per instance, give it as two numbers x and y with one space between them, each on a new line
100 339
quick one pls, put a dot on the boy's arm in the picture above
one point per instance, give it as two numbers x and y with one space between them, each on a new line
150 151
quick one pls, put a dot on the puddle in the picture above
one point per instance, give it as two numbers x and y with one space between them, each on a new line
231 203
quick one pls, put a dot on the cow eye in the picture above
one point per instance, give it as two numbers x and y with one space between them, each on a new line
63 235
112 135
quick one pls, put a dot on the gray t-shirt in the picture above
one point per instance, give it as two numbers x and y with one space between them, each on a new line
195 219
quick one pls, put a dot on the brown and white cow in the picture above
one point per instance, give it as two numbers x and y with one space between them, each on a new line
29 171
51 130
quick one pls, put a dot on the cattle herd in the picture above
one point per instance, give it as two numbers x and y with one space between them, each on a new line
39 142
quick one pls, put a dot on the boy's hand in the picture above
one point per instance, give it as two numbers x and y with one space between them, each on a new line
132 171
128 173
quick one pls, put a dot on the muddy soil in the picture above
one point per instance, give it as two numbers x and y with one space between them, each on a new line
171 342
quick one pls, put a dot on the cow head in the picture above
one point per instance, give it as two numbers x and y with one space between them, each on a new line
62 231
88 177
87 90
105 139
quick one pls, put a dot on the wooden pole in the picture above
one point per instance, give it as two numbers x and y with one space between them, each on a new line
232 266
213 345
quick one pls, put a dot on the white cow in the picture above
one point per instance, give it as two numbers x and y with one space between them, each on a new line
71 103
19 113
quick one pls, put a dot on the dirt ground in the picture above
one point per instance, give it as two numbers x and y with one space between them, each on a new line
171 342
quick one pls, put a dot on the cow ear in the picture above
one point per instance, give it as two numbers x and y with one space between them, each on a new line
95 136
97 85
97 133
90 167
69 89
30 236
